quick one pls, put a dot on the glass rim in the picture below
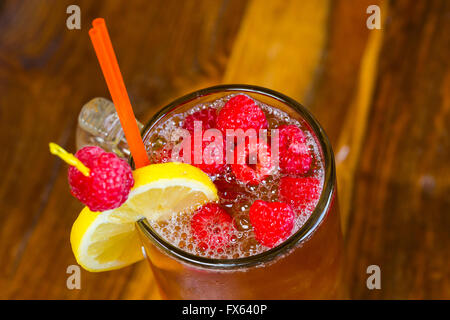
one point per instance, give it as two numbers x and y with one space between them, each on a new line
308 228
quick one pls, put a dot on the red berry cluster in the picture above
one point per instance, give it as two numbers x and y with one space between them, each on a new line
109 181
272 222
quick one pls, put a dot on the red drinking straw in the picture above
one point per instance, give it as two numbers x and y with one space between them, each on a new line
116 86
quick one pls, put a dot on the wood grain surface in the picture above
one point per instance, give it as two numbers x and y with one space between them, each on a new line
383 97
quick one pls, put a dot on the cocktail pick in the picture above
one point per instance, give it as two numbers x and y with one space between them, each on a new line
69 158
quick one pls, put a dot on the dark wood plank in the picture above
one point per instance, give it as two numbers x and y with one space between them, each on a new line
279 46
344 89
165 49
400 217
337 78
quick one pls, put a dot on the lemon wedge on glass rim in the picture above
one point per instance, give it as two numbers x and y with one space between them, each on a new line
108 240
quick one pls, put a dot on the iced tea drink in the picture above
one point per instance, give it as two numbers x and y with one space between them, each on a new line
275 231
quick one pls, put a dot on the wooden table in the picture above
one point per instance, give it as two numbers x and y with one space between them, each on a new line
383 97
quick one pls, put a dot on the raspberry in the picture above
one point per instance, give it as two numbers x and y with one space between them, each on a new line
272 222
211 226
294 154
207 117
301 193
245 169
212 156
241 112
109 181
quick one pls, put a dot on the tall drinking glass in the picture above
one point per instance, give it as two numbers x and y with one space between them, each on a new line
305 266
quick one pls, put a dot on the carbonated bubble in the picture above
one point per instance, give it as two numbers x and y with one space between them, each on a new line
242 243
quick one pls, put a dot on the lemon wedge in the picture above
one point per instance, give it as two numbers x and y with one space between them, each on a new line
108 240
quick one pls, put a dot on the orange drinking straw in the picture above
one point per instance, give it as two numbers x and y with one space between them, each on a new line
110 68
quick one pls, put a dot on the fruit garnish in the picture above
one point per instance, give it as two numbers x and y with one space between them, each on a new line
108 240
99 179
301 193
295 157
212 226
241 112
103 241
272 222
207 117
252 163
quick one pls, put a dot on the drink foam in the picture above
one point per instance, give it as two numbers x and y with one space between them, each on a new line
176 230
